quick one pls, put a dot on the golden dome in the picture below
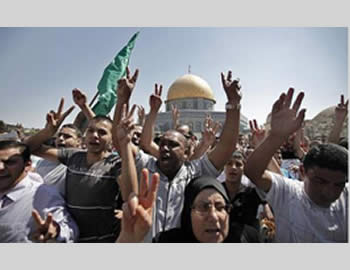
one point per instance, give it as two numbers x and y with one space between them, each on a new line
190 86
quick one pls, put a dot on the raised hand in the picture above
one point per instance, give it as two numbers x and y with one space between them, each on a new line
137 211
126 85
341 110
232 88
46 229
175 113
258 134
286 120
79 97
210 130
55 119
141 114
155 100
126 125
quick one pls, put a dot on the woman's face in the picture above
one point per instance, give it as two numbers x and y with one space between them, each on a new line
210 219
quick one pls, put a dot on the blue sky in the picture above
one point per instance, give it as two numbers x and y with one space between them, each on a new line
40 65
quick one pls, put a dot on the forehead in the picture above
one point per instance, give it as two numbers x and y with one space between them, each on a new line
235 159
98 124
6 153
67 130
173 136
209 194
330 176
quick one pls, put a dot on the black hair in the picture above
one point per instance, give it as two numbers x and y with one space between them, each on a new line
329 156
24 149
75 128
103 118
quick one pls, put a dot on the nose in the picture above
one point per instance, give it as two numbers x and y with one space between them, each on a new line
212 215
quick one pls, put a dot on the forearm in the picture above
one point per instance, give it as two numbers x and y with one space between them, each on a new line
258 160
334 135
35 141
146 140
200 150
116 119
228 140
128 182
87 111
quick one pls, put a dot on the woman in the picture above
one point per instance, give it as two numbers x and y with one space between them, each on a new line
205 216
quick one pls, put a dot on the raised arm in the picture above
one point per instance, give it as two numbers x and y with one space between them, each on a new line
208 138
125 88
298 139
128 179
284 121
146 140
141 115
80 99
54 120
229 135
341 111
175 113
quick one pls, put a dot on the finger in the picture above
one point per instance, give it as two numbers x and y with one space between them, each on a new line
229 76
68 112
136 74
289 97
346 103
160 90
152 194
126 211
298 101
127 72
60 106
251 126
143 189
223 79
342 99
277 106
48 220
300 117
255 124
132 111
156 89
37 217
123 112
133 202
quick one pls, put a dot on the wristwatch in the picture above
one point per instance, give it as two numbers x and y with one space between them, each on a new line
230 106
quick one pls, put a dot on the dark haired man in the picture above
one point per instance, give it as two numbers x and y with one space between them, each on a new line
315 210
54 173
23 202
92 192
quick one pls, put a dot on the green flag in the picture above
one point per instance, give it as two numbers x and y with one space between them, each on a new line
109 81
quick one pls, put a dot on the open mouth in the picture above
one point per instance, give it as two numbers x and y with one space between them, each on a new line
212 231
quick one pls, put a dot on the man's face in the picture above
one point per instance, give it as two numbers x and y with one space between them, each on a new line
234 170
98 136
171 152
12 168
324 186
67 137
136 135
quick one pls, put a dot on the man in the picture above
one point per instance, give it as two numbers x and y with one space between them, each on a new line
23 202
92 192
315 210
174 172
54 173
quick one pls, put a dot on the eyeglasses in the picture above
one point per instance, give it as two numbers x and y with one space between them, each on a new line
203 208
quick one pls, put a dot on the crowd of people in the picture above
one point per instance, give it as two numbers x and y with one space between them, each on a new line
114 180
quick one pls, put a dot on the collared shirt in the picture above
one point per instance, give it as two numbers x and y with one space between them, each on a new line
299 219
170 195
16 221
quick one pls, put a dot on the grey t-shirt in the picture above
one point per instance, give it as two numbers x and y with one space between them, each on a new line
92 194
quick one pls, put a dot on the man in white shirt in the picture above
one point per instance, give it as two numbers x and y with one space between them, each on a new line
315 210
24 202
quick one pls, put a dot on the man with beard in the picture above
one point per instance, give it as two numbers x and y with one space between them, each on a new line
175 172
